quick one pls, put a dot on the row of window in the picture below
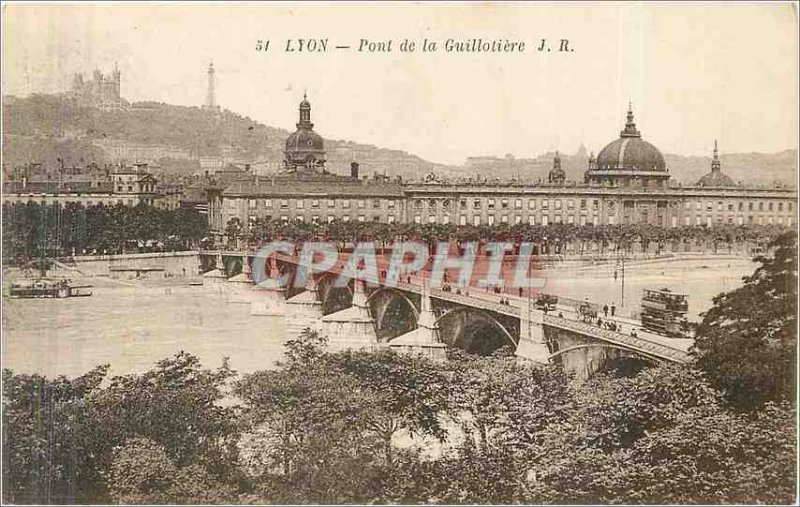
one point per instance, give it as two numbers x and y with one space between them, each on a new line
317 204
330 218
610 220
491 203
740 205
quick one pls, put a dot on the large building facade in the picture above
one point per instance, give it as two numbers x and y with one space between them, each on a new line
627 183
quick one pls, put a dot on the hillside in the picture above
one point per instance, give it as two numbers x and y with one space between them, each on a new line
44 128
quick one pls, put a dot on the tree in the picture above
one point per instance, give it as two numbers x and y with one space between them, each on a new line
46 427
176 405
747 342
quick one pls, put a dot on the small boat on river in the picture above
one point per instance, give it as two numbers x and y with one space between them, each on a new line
48 288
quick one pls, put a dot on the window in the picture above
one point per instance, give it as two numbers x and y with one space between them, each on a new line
571 219
741 206
462 220
532 204
517 219
376 204
558 203
251 203
789 207
698 206
361 204
595 205
432 219
491 204
504 219
315 219
361 218
476 204
518 204
476 220
390 219
300 204
709 206
761 206
719 205
417 203
491 219
687 206
687 220
284 218
331 203
504 204
417 219
284 204
346 218
730 206
268 203
130 188
390 204
315 203
571 204
345 204
544 220
531 219
545 205
750 206
770 206
300 218
432 203
376 218
330 218
446 219
462 204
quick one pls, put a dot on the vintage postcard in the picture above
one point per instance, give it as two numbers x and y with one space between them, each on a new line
399 253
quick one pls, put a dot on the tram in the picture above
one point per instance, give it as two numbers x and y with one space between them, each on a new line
664 312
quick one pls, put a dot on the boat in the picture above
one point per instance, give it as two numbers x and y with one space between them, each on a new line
48 288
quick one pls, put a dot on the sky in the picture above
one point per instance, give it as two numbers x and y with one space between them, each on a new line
694 72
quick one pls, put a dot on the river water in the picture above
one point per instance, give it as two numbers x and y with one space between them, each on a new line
132 325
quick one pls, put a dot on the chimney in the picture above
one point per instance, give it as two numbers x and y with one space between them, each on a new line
354 170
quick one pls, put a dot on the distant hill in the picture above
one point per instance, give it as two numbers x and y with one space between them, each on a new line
44 128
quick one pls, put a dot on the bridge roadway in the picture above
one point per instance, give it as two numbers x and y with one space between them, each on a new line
646 343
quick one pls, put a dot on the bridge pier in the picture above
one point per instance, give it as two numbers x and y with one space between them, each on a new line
269 301
423 341
303 311
351 328
532 343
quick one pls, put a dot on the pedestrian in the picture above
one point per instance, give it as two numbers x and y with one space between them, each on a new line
605 310
613 309
408 279
520 292
599 322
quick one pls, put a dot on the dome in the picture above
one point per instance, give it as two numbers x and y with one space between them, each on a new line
304 147
630 152
716 179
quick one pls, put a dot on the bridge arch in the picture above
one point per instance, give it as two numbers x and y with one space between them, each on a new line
482 315
633 352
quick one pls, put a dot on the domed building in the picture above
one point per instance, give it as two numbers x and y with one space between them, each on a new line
628 161
556 175
305 150
716 178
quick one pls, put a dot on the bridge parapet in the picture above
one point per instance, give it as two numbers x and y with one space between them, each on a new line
642 345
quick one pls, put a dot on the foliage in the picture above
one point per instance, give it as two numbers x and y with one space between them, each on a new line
747 341
31 229
142 473
46 427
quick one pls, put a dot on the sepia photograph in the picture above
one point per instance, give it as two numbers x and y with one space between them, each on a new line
399 253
